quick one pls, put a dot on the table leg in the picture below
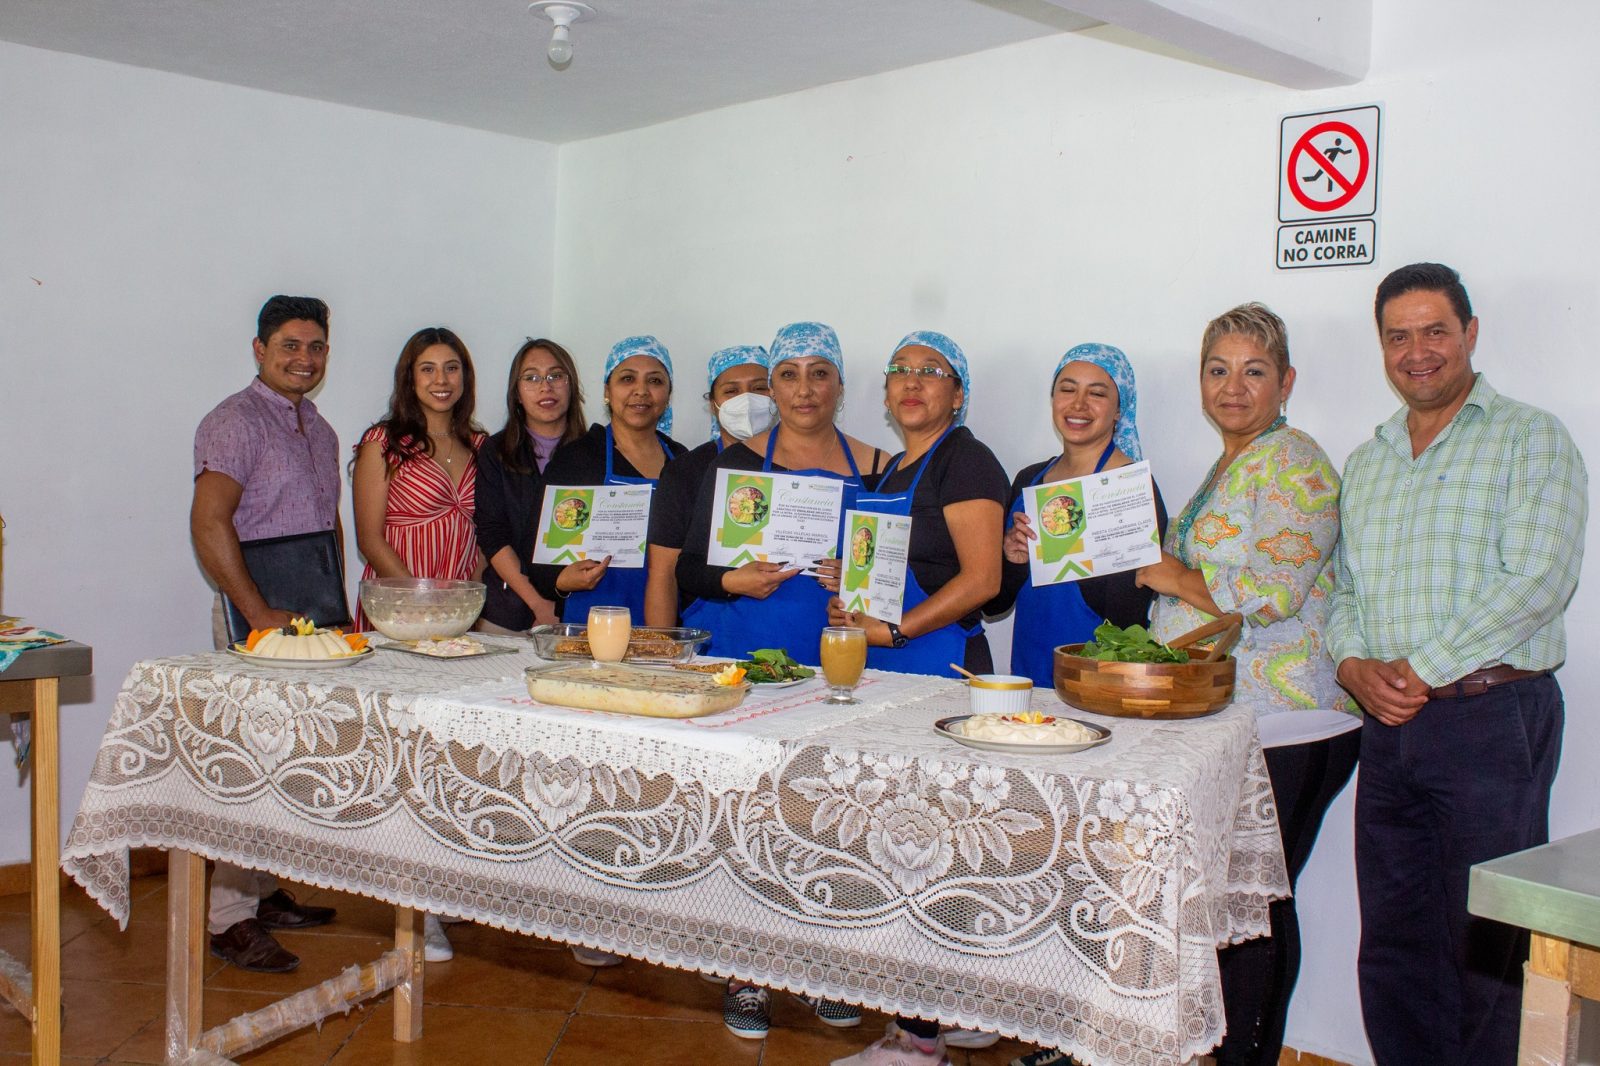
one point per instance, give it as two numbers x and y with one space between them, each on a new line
186 940
46 872
408 992
1549 1009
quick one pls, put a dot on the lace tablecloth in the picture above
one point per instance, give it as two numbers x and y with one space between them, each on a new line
1075 901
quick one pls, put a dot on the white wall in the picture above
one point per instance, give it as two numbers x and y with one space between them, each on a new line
144 218
1074 189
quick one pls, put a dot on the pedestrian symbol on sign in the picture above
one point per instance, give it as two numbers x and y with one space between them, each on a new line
1333 152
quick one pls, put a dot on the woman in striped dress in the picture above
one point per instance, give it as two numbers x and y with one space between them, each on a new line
415 479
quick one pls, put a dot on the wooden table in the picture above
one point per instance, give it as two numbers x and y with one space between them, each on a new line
1553 890
31 686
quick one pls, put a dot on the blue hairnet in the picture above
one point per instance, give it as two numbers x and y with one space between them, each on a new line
727 359
1116 365
800 339
953 355
642 345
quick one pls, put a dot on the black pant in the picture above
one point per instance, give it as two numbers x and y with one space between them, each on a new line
1465 781
1258 975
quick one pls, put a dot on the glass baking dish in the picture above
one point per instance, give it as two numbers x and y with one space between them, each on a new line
569 640
623 689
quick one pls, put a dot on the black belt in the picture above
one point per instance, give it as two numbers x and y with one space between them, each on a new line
1480 681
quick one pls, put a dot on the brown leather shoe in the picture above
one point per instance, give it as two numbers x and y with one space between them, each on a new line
249 946
280 911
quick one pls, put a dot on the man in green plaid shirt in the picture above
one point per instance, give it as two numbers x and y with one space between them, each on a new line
1463 523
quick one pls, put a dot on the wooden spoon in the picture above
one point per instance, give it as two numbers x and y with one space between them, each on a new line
964 672
1229 625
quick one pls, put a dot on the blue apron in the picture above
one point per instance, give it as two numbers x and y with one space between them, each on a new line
1050 616
794 616
931 653
619 588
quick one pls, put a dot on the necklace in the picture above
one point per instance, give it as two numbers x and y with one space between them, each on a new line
1191 512
450 457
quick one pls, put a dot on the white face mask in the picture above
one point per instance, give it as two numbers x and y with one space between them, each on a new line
747 414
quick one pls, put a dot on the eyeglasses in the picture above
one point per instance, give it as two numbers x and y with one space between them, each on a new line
556 378
896 370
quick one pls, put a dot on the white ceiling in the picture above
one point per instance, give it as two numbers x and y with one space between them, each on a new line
482 64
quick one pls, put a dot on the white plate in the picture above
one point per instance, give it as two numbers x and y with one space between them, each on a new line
485 649
944 727
302 664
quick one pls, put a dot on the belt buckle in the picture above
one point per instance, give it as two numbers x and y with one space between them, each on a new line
1473 686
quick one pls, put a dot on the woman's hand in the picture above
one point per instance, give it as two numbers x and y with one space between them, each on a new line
877 630
1165 577
756 580
828 572
582 576
1015 545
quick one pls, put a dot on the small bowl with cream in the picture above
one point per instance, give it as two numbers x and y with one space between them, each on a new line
999 693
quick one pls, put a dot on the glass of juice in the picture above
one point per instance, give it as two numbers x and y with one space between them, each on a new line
609 631
844 656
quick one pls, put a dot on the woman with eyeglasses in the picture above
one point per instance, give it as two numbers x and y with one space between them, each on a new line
955 492
772 605
631 449
544 409
1094 405
741 406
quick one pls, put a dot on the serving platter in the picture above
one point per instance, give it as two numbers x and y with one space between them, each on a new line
951 728
302 664
410 648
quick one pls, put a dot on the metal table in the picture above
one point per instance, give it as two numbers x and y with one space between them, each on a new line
31 686
1554 891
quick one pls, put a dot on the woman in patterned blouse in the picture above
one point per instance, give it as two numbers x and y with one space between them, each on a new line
1257 538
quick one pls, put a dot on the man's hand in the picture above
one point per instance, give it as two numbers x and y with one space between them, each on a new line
271 618
1390 692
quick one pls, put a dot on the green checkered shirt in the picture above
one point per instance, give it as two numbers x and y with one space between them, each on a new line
1466 556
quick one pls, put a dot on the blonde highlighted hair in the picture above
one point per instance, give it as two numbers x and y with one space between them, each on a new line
1255 321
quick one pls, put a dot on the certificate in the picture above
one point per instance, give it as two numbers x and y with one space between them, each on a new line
592 522
773 517
876 548
1092 525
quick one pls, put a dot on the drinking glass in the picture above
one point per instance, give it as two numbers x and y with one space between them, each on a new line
609 631
844 656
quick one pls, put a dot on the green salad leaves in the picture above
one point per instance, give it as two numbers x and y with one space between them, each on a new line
767 666
1131 645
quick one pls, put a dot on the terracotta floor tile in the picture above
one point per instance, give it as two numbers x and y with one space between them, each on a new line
638 990
78 913
787 1046
594 1040
1000 1054
100 1015
138 955
454 1035
302 1048
493 968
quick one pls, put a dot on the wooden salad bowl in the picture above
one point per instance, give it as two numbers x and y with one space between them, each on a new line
1203 685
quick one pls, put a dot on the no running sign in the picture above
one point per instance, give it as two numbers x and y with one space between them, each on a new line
1328 165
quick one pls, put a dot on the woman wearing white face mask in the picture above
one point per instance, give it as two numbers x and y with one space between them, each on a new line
741 407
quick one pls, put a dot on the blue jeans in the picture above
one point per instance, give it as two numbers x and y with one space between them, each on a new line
1466 780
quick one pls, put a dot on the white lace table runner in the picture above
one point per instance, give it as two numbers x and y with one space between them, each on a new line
723 752
1074 901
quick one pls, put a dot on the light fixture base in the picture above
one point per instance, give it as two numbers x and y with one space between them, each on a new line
562 12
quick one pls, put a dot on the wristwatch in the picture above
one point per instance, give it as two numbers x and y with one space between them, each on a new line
896 638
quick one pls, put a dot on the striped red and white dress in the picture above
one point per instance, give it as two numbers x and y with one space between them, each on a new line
428 519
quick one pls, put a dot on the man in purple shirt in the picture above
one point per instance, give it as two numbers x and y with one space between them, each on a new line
266 464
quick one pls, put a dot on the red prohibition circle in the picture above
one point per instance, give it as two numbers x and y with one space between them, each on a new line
1351 188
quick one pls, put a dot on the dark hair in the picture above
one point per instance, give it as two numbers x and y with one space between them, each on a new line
405 424
280 309
1431 277
512 438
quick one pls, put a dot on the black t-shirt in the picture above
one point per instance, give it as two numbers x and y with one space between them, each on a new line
672 510
962 468
1111 596
583 462
696 577
508 508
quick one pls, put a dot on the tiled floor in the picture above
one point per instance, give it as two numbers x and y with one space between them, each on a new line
504 998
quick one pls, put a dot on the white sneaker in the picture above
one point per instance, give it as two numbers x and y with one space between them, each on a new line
896 1048
595 957
435 945
969 1038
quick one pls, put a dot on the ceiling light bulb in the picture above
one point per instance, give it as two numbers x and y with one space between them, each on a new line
561 45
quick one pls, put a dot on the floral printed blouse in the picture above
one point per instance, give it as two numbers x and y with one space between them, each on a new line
1264 541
